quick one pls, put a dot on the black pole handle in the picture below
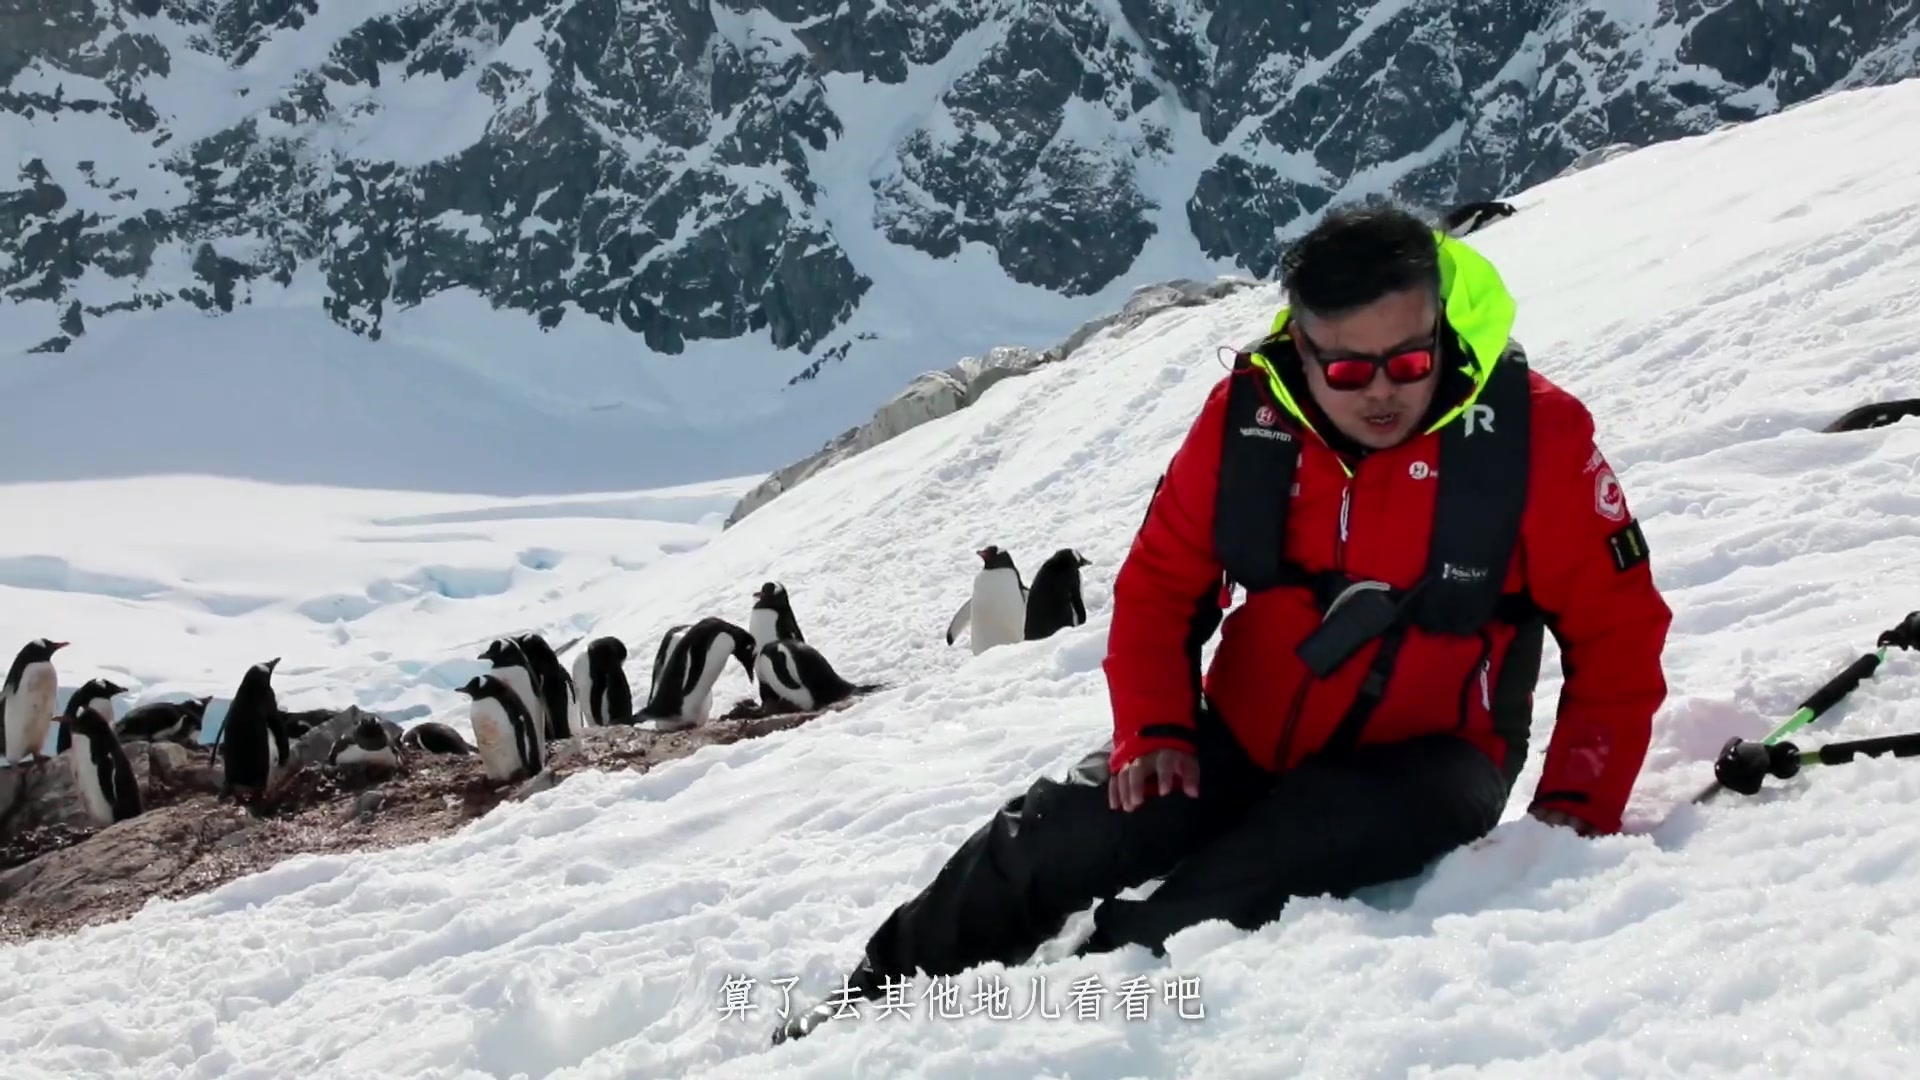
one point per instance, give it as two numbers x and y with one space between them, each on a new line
1842 684
1898 745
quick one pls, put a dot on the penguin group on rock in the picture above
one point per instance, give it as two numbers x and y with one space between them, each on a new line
1002 610
523 703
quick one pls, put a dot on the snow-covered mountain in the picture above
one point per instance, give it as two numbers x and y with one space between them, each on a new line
894 183
1715 301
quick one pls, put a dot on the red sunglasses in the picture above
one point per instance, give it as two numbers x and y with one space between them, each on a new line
1354 371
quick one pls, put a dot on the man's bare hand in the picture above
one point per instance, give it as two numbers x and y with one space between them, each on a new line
1561 817
1168 769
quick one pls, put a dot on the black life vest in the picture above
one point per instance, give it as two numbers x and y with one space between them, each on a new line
1483 473
1484 458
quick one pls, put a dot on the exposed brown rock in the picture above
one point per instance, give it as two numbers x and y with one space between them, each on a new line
58 873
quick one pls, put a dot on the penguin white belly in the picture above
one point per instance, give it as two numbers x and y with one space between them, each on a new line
87 779
764 625
521 683
999 614
276 765
13 715
360 755
716 661
493 737
29 711
792 691
583 714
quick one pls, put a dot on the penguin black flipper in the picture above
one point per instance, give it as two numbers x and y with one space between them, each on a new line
960 620
619 698
110 760
660 655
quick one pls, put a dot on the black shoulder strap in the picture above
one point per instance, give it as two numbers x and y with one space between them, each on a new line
1483 492
1259 452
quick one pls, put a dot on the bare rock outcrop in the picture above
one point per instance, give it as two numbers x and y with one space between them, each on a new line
935 394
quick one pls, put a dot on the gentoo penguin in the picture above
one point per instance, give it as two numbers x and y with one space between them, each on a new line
101 770
551 682
1054 603
602 695
369 744
433 737
772 618
1474 216
683 690
26 699
793 676
165 721
253 742
511 744
512 666
997 610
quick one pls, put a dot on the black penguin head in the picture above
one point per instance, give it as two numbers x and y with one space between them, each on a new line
1067 556
197 707
38 650
504 653
483 686
608 650
743 649
771 595
992 558
370 733
89 692
260 676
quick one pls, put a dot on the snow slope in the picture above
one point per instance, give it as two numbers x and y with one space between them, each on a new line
1713 306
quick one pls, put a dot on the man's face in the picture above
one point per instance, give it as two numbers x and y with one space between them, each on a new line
1373 343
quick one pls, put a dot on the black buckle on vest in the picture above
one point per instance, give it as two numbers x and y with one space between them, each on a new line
1361 612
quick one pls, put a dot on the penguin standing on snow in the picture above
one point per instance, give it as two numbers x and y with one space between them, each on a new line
164 721
512 666
511 745
253 742
602 694
368 746
1054 602
551 682
772 618
997 610
101 770
433 737
683 686
26 700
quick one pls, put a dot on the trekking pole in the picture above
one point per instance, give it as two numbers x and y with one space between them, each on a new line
1904 636
1743 764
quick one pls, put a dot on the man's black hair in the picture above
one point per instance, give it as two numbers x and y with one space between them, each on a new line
1357 255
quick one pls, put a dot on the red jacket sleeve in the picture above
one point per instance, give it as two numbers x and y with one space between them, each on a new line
1168 573
1586 566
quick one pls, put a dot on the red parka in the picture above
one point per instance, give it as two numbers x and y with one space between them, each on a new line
1580 558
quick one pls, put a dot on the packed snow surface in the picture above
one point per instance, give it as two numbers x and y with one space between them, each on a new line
1714 306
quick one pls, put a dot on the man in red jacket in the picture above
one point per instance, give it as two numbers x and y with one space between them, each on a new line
1408 507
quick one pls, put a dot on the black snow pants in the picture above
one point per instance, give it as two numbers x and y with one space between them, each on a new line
1249 842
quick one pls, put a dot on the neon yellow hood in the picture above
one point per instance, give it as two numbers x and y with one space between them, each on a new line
1478 307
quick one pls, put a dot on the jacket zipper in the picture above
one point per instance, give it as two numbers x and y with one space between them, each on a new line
1477 673
1300 695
